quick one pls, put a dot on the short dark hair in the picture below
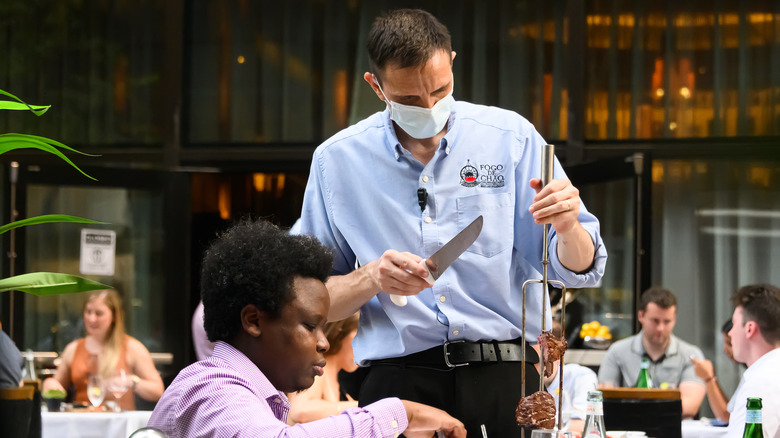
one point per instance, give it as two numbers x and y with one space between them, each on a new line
726 327
760 303
407 37
658 296
255 262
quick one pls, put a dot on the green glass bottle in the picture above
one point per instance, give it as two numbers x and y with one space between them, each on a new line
644 380
753 427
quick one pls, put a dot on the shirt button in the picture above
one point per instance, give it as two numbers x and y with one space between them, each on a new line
442 299
277 400
456 332
428 220
394 424
447 150
396 155
425 179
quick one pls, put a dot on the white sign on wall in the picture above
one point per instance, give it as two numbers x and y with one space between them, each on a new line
98 251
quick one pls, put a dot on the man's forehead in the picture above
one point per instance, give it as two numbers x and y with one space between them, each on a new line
657 310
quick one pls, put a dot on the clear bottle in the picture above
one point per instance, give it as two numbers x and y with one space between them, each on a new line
594 421
753 428
29 376
644 380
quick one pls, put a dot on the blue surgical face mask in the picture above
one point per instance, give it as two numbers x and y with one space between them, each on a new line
420 122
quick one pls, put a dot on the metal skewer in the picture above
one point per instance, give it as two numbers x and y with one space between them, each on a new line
547 171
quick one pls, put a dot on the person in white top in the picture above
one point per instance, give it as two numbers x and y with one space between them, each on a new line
755 339
577 381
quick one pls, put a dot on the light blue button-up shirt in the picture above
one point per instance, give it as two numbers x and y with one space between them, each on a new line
361 200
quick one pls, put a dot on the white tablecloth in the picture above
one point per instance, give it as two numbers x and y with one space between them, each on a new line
701 429
92 424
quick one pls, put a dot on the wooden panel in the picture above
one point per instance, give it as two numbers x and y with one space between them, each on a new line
642 393
21 393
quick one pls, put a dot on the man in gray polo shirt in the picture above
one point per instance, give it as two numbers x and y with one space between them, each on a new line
670 364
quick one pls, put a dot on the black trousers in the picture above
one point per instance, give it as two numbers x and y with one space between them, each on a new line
479 393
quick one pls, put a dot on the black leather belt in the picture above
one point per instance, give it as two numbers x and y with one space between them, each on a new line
461 353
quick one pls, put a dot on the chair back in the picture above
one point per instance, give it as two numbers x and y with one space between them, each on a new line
20 412
20 393
656 412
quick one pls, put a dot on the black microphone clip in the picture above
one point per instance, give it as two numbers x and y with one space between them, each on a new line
422 198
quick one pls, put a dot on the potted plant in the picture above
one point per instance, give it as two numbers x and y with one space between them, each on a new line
54 398
41 283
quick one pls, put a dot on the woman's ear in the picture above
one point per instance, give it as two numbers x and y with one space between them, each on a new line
251 320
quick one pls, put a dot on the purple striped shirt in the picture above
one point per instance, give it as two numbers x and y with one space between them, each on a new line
228 396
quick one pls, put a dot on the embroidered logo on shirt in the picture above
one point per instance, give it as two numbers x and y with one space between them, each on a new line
469 175
482 175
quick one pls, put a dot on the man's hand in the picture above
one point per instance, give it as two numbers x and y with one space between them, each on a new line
425 421
394 272
398 273
703 368
557 204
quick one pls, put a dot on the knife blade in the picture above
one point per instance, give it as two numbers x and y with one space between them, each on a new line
447 254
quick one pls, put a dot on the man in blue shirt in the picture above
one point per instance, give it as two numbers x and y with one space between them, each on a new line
393 188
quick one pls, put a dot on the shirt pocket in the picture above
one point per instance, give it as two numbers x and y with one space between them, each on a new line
497 229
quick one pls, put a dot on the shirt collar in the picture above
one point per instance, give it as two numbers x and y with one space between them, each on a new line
639 348
257 382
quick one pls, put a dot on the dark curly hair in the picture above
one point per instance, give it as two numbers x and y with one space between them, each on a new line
408 37
760 303
255 262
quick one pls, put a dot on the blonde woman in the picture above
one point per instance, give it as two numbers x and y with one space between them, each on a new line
106 349
323 399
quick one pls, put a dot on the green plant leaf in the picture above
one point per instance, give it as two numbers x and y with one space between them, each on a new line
38 110
9 142
49 283
8 105
45 219
38 139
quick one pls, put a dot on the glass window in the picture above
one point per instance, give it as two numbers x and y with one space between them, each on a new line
269 72
99 65
612 304
682 69
136 217
715 229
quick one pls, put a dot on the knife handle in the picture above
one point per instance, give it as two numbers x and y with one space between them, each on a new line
401 300
429 278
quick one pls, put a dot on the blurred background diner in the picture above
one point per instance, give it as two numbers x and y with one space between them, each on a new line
119 361
664 114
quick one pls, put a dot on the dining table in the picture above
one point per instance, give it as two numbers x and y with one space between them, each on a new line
92 424
702 428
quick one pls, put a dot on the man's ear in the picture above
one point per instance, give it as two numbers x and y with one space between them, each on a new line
251 320
372 81
751 329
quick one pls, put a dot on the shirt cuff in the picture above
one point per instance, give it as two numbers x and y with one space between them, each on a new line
389 414
589 278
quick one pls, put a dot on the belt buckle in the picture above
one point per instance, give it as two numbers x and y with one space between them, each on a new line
447 355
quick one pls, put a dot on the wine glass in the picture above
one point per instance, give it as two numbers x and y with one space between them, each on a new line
96 390
118 385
